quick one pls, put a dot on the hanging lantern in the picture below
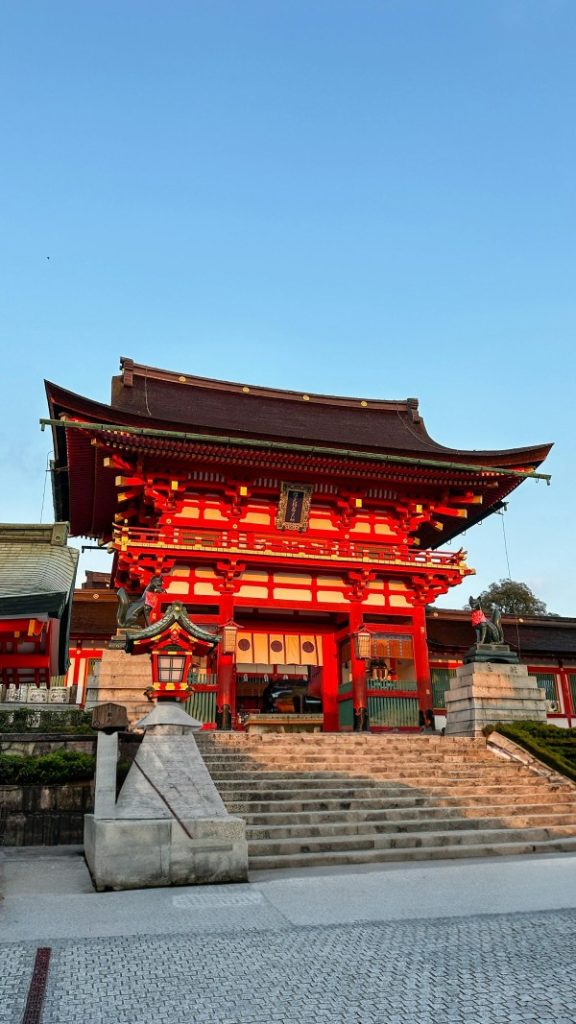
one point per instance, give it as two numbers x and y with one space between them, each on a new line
363 643
229 634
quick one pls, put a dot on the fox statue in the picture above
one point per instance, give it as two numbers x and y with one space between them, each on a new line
487 630
129 610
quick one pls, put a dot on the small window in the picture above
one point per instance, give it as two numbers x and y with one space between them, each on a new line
547 681
441 678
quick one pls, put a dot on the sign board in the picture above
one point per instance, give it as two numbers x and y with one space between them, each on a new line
110 717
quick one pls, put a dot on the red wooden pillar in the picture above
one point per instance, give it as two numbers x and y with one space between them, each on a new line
226 673
358 667
421 663
329 683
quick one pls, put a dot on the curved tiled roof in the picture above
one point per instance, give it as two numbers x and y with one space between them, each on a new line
175 416
159 399
175 613
37 574
251 410
37 569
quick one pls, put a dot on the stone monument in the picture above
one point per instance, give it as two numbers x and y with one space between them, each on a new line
169 825
491 686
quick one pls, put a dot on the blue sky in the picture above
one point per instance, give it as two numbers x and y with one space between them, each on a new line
366 197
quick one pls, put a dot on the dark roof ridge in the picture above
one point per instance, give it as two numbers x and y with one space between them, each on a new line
547 619
130 369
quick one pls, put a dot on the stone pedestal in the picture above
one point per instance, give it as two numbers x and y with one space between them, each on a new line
484 693
283 723
169 825
123 679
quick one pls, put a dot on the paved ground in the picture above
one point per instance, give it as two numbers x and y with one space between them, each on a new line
480 942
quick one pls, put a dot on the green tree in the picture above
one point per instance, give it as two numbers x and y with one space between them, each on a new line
512 598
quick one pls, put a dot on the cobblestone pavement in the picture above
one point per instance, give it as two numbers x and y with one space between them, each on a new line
497 969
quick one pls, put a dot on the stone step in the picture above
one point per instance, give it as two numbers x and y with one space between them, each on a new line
228 764
326 799
352 755
565 813
238 774
518 785
317 741
413 751
345 803
509 770
420 780
319 789
242 807
478 799
282 781
265 772
512 848
417 825
326 751
404 840
351 760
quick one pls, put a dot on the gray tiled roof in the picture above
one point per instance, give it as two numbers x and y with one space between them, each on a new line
37 569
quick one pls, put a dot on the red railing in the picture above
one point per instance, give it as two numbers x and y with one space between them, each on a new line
239 542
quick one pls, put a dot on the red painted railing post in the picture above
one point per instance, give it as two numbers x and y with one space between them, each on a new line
421 663
358 668
226 673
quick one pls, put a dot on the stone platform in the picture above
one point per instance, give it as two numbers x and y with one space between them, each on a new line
284 723
123 680
169 825
484 693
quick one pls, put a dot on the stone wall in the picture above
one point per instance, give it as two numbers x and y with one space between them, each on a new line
44 815
31 744
50 815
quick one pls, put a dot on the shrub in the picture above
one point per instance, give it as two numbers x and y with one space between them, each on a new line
46 719
554 746
60 766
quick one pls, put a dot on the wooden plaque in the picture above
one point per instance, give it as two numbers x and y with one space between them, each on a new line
294 506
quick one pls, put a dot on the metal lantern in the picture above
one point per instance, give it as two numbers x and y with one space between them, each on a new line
173 643
363 643
229 634
170 670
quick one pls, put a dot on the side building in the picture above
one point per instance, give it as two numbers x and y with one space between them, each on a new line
37 574
306 526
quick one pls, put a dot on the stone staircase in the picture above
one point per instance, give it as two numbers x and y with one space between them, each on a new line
313 799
